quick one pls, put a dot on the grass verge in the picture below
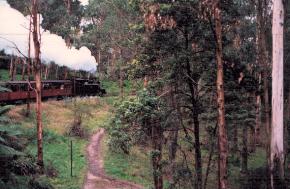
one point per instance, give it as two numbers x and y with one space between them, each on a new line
134 167
57 119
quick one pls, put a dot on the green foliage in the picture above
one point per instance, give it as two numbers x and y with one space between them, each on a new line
55 15
80 112
18 168
40 183
4 75
113 88
131 123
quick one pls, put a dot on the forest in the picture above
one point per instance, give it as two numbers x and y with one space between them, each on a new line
131 94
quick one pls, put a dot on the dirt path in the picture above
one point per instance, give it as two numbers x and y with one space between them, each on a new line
96 177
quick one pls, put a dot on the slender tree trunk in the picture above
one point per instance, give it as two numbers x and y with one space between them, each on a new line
100 69
157 139
37 68
11 68
121 82
197 154
258 116
244 152
112 64
28 69
13 65
222 135
173 137
47 71
235 147
56 72
145 82
277 143
68 9
14 71
172 149
198 163
68 4
259 17
65 73
23 69
264 66
211 153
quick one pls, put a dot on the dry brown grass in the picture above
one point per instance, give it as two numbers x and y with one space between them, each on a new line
58 115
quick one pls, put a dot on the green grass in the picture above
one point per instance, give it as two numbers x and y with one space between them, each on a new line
56 147
134 167
112 88
257 159
57 155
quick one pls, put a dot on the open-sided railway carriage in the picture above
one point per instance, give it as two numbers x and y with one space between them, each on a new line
23 90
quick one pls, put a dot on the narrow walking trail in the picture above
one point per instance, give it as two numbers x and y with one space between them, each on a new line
96 177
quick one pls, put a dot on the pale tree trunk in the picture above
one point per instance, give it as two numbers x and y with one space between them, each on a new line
14 70
68 9
28 88
65 73
13 64
28 69
47 69
259 77
112 64
277 147
37 69
11 68
121 82
258 116
222 135
68 5
145 82
56 72
23 62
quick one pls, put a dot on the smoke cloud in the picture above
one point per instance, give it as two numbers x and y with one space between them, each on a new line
14 28
84 2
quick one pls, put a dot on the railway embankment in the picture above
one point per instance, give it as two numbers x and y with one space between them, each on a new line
60 145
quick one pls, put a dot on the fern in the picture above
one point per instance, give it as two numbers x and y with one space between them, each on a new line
2 140
5 109
8 152
4 119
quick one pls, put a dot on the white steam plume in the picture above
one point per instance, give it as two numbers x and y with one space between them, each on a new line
84 2
14 27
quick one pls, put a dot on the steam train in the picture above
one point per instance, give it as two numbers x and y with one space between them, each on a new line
19 91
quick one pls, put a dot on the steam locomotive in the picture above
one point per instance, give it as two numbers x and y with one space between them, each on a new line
23 90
